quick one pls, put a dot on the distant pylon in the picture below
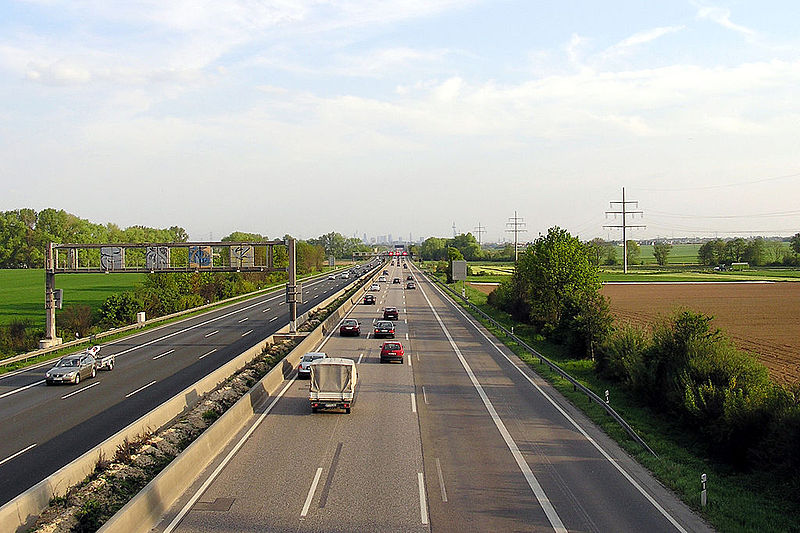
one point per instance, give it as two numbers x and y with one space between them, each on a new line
480 230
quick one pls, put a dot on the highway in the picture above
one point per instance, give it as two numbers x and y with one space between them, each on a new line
42 427
460 437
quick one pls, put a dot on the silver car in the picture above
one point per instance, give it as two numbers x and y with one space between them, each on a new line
303 370
72 369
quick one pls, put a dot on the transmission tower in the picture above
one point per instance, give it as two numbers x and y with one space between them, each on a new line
454 230
480 230
624 212
516 225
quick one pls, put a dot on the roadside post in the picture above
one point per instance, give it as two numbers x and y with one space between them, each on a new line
703 493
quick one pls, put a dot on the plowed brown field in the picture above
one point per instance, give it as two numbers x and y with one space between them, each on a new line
762 318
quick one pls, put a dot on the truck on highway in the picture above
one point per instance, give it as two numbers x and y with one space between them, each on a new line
332 384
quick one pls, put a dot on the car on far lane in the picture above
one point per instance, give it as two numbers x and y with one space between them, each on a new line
303 370
410 285
384 328
405 265
386 272
369 299
350 326
331 276
391 313
396 281
375 287
409 278
382 279
392 351
344 275
72 369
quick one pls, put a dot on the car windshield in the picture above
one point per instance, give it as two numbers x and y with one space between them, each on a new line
384 324
68 362
312 357
350 322
391 346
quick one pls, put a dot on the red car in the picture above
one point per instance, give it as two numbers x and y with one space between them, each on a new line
391 313
350 326
392 351
384 328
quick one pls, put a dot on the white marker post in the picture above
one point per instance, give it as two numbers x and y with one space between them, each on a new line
703 493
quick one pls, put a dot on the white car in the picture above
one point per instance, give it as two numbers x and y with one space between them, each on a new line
332 276
344 275
375 287
382 279
303 370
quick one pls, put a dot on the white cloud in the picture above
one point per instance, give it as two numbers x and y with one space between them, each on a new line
723 18
642 37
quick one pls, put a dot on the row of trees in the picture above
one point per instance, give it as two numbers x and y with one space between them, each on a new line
435 249
756 252
25 233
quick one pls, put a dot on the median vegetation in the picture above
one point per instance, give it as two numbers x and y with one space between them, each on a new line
702 404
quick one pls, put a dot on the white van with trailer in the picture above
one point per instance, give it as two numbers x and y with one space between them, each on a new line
332 384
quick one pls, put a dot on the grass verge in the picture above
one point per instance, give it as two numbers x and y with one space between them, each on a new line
738 501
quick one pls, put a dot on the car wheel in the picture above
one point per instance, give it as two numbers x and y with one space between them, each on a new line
347 410
313 409
111 365
94 372
48 383
77 378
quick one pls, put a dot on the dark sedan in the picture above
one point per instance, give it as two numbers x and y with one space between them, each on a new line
350 326
369 299
391 313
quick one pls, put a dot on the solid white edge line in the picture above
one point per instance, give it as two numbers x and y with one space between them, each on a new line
213 476
207 353
9 393
17 454
162 355
578 427
80 390
538 491
311 492
212 333
139 389
441 479
413 403
423 504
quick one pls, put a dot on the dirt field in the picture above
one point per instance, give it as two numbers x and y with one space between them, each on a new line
762 318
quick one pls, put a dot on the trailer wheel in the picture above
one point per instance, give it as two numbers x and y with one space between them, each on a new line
111 365
347 410
313 409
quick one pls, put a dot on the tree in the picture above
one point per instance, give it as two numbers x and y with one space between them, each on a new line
712 253
735 250
633 251
433 249
794 243
553 273
467 245
660 251
755 252
597 250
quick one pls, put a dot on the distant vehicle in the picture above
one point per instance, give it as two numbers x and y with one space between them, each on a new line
344 275
384 328
396 281
382 279
410 278
74 368
375 287
391 313
350 326
410 285
369 299
405 265
333 384
303 370
386 272
392 351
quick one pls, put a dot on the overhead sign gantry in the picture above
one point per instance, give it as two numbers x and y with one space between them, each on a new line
77 258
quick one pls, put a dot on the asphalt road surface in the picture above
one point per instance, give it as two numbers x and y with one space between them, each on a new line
459 437
43 428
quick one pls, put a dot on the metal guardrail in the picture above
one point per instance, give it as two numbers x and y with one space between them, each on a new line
542 359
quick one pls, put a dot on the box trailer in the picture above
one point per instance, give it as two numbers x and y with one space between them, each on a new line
332 384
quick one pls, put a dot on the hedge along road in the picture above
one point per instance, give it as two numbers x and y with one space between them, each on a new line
458 437
43 428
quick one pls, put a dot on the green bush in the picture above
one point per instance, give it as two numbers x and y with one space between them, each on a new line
621 356
89 517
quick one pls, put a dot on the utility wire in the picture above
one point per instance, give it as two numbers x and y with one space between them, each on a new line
721 186
757 215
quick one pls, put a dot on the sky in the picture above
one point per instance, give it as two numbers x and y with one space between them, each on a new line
404 117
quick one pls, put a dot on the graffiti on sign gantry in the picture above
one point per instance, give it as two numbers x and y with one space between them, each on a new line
112 258
157 257
243 256
199 256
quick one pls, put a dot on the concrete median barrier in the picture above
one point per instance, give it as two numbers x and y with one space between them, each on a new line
19 514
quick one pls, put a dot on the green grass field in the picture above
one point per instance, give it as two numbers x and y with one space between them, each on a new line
22 292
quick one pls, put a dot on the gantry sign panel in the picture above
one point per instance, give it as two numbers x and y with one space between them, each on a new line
165 257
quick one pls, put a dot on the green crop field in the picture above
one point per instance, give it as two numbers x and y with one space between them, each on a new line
680 254
22 292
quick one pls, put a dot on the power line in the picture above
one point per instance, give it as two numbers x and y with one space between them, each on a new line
721 186
624 212
758 215
516 226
